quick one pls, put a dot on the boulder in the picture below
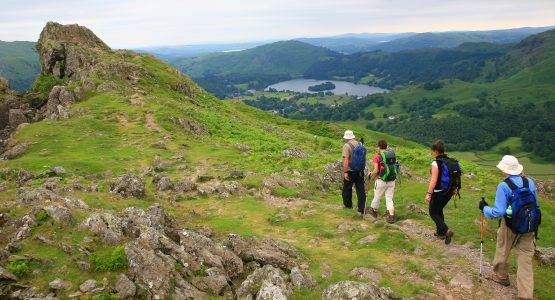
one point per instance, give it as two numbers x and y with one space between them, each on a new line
266 283
216 284
17 117
125 288
6 275
545 255
60 99
74 202
353 290
58 171
368 239
160 164
106 226
37 195
59 214
415 209
295 153
334 172
302 279
163 182
185 186
87 286
266 252
59 284
14 152
129 185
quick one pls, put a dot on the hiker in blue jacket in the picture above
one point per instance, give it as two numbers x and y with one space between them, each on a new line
524 243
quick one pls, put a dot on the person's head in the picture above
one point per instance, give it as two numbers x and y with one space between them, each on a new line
438 148
509 165
382 145
349 135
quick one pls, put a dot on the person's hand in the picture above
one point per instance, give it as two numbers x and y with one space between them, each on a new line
428 197
346 176
482 204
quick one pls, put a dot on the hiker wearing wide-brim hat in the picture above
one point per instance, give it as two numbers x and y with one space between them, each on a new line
511 193
354 160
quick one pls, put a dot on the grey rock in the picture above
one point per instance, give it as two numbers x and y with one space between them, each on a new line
125 288
87 286
371 275
164 183
6 275
192 126
23 233
14 152
368 239
353 290
159 145
295 153
106 87
58 171
217 284
17 117
415 209
185 186
59 100
266 252
302 279
59 214
545 255
235 174
59 284
83 265
74 202
37 195
129 185
271 282
106 226
160 164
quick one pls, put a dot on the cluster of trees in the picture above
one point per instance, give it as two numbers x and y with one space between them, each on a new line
482 124
322 87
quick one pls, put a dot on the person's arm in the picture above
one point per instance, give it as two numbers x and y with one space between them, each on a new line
345 167
432 185
375 171
500 206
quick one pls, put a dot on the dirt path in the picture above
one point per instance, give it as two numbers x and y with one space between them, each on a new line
151 123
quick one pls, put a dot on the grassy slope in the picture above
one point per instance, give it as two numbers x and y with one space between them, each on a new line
19 63
114 135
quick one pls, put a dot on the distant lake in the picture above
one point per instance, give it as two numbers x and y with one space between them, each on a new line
341 87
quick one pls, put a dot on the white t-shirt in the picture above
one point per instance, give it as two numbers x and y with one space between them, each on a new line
434 165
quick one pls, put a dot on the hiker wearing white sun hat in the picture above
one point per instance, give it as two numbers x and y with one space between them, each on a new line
524 243
354 161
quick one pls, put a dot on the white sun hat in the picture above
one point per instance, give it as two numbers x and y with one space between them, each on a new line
509 164
349 135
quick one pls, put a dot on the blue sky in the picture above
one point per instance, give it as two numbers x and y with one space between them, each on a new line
127 23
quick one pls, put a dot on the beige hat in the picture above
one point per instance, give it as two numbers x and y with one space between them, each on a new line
349 135
509 164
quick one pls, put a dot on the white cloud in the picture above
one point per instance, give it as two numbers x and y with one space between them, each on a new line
128 23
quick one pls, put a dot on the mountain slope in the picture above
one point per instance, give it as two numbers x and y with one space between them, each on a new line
454 39
168 192
283 58
19 64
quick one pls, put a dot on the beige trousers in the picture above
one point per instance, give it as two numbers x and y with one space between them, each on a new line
381 187
524 245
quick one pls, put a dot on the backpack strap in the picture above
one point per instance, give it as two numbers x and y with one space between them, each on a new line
511 184
525 182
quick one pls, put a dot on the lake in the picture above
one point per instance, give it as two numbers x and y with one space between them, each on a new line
341 87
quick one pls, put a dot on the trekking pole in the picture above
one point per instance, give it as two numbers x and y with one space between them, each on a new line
481 241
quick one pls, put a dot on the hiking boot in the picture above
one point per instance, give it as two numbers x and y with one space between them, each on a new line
390 219
439 236
373 213
448 236
501 281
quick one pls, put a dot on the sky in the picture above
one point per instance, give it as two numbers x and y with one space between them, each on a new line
139 23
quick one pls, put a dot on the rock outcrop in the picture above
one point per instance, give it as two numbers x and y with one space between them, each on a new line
351 290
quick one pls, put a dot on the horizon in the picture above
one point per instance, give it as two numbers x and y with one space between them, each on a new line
140 24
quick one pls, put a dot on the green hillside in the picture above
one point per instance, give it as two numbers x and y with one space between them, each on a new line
164 184
19 63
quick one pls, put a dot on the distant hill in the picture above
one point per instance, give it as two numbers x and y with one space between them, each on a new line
354 42
19 63
179 51
259 67
456 38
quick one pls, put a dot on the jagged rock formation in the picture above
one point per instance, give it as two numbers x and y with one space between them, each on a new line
68 51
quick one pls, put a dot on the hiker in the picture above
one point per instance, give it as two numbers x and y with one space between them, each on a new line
354 160
385 172
512 192
443 185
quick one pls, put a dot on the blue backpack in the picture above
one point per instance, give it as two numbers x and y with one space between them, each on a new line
358 161
526 216
449 174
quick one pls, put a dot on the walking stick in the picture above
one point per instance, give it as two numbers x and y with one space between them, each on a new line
481 241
